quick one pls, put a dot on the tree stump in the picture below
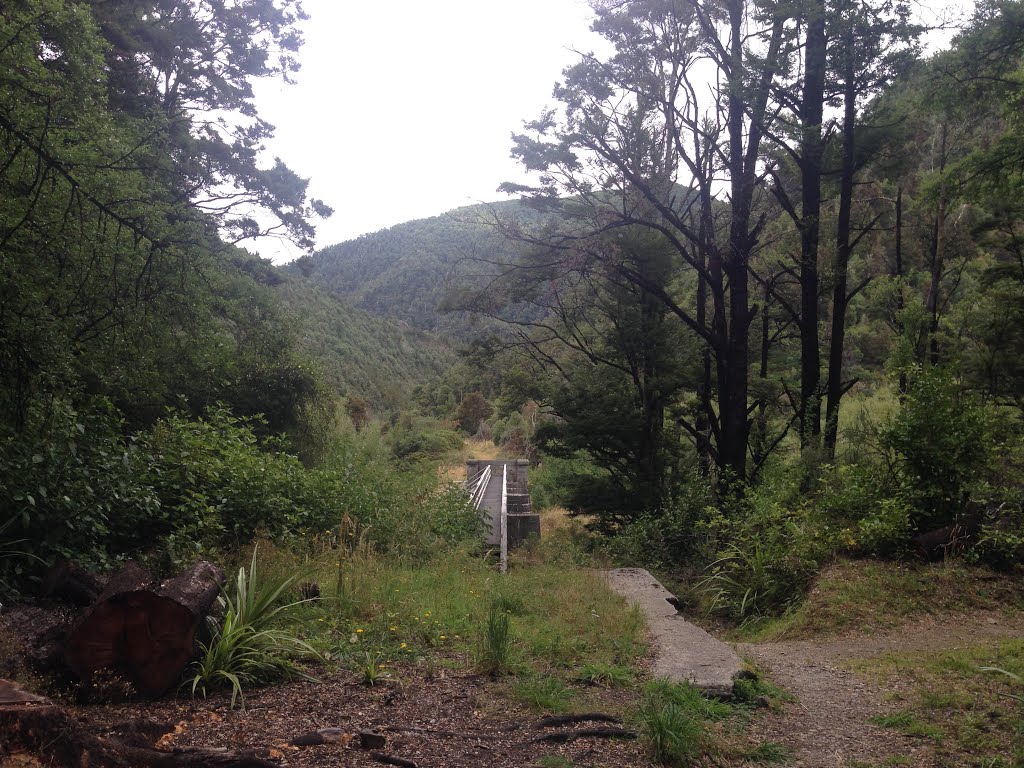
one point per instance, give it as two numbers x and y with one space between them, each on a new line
148 635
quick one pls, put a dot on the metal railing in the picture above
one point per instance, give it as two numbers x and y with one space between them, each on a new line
477 486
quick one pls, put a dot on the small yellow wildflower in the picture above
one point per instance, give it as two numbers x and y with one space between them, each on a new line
404 645
359 631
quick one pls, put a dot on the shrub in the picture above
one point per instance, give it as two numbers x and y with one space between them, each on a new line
665 537
219 485
246 648
772 552
886 530
415 439
868 509
1000 542
71 485
939 434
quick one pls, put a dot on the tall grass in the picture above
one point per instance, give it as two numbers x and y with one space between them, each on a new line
494 642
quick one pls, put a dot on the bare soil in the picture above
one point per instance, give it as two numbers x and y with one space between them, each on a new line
440 719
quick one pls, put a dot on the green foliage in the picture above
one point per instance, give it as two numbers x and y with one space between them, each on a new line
886 530
246 647
494 643
361 354
1000 542
12 558
771 552
371 669
940 434
872 596
219 484
112 265
74 487
404 272
415 438
867 507
609 675
672 718
664 537
545 694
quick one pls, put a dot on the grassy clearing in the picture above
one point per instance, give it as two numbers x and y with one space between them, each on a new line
872 595
550 634
973 716
550 629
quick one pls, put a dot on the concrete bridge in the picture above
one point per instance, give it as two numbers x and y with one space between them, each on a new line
499 488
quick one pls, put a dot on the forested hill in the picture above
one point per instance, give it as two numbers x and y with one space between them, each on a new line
403 272
375 358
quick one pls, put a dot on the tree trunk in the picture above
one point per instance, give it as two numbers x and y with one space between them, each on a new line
812 109
148 635
900 329
937 254
844 247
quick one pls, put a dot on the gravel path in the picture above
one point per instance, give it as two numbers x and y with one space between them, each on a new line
828 726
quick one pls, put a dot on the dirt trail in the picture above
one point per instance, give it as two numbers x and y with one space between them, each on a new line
828 726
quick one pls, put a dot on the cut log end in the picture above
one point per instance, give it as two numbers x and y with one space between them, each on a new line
147 635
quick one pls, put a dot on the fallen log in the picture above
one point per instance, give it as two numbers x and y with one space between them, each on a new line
69 582
147 635
34 726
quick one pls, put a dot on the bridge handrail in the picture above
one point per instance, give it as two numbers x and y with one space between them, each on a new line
478 485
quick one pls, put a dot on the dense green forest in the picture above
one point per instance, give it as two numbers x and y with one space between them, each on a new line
406 271
794 296
778 310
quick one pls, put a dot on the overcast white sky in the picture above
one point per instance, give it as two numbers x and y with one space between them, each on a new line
404 109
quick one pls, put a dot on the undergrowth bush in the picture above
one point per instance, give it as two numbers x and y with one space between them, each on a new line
769 553
247 645
940 435
663 538
868 507
72 485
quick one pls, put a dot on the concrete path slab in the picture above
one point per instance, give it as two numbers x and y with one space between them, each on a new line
683 652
